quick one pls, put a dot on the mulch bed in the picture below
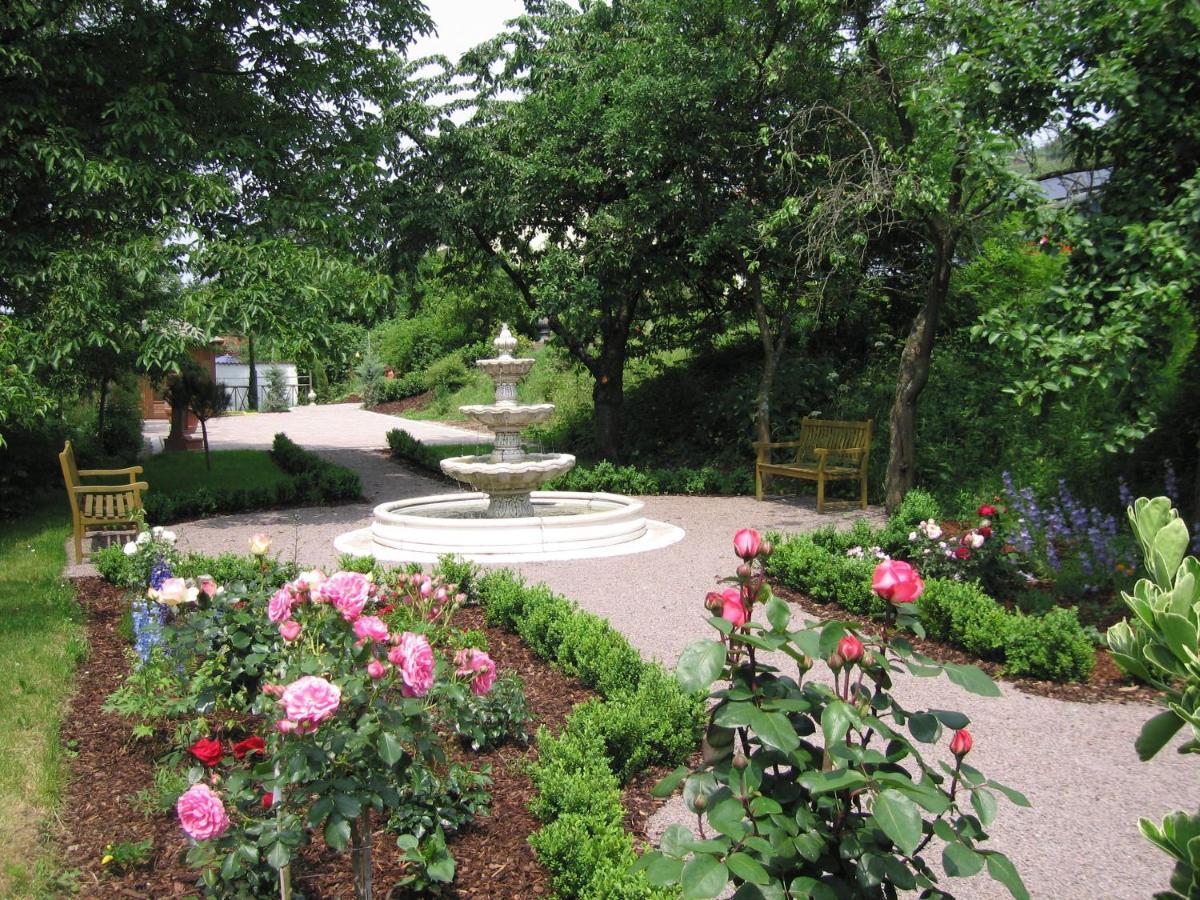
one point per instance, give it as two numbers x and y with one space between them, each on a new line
1107 682
493 854
396 407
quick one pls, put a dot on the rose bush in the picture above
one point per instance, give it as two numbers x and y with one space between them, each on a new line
793 797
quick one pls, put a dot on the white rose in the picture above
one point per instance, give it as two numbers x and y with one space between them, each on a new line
912 535
143 537
977 540
169 536
175 591
156 532
131 548
934 532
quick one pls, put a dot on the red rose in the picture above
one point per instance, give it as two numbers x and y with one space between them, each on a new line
252 744
384 610
963 553
987 510
961 743
986 530
267 800
207 750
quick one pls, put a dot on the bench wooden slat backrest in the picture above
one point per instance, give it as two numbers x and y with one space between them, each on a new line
833 436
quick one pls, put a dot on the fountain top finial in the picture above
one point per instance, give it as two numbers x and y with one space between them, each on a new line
505 344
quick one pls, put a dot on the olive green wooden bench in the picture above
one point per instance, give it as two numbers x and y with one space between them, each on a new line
825 451
100 506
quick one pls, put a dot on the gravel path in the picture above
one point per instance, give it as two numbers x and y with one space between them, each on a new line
1074 761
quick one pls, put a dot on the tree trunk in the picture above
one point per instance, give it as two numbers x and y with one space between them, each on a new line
101 409
772 353
608 397
360 854
914 374
204 432
252 388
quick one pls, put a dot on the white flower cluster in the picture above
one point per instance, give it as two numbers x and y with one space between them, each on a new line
145 537
860 553
929 528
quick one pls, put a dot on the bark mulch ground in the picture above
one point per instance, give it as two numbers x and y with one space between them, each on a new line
1107 682
493 854
398 407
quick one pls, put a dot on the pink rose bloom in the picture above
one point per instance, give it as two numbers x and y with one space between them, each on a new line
289 630
348 591
371 628
732 608
376 669
897 582
309 584
201 813
746 542
285 726
310 700
477 665
426 588
208 586
413 656
280 606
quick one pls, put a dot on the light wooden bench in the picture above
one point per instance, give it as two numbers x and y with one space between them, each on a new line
100 506
825 451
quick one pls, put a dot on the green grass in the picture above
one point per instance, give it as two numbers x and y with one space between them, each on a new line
42 640
178 473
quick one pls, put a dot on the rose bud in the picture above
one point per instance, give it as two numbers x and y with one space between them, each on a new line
713 601
850 649
804 663
700 802
739 761
375 669
765 549
744 570
836 661
961 743
746 543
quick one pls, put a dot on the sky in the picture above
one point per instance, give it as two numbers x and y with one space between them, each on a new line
462 24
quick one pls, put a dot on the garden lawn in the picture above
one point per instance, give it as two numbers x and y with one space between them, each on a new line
41 643
178 473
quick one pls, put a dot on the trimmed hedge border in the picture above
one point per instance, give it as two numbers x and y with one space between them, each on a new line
603 476
311 480
1052 646
642 718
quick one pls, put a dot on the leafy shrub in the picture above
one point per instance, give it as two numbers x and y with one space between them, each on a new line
487 721
956 612
915 508
371 378
447 374
277 396
429 801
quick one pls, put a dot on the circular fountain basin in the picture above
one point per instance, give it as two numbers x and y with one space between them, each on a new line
565 525
529 472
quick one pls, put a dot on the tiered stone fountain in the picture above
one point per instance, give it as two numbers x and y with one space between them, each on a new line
508 474
507 519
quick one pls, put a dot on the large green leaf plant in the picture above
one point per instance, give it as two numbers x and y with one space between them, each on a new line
812 784
1160 646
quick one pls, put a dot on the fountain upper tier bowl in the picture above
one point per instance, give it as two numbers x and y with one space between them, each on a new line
565 525
492 477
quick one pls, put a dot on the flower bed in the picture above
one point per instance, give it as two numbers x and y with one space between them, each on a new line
640 718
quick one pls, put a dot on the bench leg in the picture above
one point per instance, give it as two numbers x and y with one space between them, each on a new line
78 545
820 495
864 492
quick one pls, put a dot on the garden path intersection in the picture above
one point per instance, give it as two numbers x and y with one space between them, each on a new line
1075 761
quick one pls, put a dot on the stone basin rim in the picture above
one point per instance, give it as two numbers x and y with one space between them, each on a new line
619 507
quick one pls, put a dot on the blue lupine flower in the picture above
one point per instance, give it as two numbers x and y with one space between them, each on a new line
159 573
1170 481
148 620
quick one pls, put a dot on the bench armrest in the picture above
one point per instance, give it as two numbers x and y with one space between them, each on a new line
768 445
111 488
92 473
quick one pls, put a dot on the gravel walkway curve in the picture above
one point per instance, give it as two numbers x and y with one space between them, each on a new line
1074 761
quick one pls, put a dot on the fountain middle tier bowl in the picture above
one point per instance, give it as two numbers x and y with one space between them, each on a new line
516 477
565 525
508 369
501 417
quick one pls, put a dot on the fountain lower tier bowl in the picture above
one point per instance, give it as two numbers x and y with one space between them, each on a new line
498 417
565 525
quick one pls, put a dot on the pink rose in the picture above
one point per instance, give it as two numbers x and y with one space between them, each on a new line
961 743
413 656
208 586
280 606
897 581
850 648
201 813
285 726
289 630
376 669
479 667
732 608
371 628
348 591
746 543
310 700
309 583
